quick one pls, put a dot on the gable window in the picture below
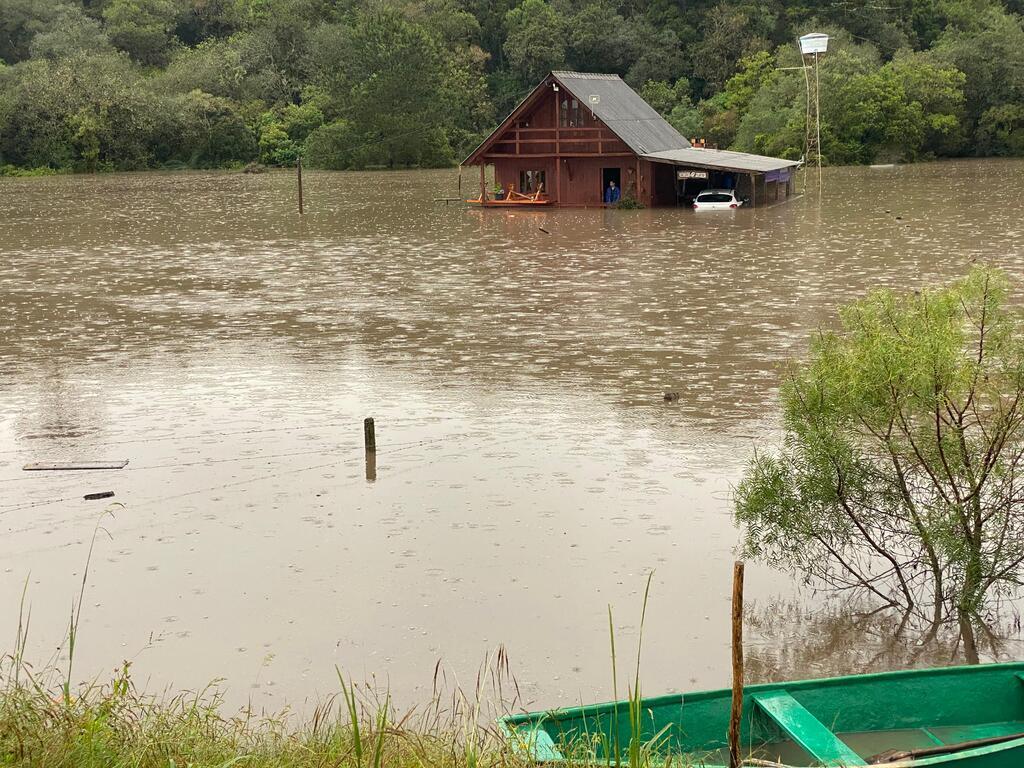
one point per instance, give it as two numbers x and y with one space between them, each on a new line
572 114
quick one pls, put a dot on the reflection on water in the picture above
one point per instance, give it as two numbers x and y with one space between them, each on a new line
529 470
788 639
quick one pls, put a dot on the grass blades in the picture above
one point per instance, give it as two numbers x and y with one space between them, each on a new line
616 747
642 752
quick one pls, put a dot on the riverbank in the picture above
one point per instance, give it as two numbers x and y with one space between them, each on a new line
113 724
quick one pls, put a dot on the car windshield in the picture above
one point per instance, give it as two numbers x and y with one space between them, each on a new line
714 197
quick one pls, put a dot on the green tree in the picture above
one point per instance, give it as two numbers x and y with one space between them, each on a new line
723 112
213 133
330 146
396 92
276 146
598 38
143 28
656 54
674 104
988 47
535 44
1001 130
729 33
70 33
899 473
21 21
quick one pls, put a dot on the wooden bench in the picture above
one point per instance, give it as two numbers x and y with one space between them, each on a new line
805 729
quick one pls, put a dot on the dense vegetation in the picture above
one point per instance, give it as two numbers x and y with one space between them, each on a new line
126 84
904 442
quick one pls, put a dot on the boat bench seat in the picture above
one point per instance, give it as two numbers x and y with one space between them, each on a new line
805 729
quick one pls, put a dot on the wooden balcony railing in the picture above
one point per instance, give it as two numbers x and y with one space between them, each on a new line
576 141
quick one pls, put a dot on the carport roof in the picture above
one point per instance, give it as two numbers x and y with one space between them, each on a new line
720 160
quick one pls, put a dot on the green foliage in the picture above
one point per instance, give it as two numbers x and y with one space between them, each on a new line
421 82
988 47
20 22
729 34
658 54
904 440
143 28
722 113
395 92
906 109
276 148
535 44
599 38
116 724
70 33
674 104
1001 130
629 203
215 133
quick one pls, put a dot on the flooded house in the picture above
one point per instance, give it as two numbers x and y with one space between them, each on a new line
577 135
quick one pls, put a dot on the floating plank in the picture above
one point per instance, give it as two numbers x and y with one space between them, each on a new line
60 466
805 729
100 495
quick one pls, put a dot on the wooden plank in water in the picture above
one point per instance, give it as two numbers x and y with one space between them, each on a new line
60 466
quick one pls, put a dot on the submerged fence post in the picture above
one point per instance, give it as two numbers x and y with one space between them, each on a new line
369 436
370 442
737 665
298 168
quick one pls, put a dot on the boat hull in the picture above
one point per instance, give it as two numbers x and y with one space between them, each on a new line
975 714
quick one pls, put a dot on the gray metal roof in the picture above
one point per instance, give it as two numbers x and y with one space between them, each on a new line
720 159
619 107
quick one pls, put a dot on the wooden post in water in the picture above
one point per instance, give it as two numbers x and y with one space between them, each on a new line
298 168
737 665
370 442
369 436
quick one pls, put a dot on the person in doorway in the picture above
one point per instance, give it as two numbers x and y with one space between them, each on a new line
612 194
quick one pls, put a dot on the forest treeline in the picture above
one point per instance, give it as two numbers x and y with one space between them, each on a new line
91 85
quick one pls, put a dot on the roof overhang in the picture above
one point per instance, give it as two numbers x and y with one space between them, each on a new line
721 160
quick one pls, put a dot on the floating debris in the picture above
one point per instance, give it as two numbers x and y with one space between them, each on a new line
61 466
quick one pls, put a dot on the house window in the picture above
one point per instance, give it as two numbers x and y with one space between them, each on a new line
531 181
572 115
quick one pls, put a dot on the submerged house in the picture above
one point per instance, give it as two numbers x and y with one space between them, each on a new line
577 132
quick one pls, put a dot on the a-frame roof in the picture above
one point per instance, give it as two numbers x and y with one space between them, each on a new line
620 108
613 102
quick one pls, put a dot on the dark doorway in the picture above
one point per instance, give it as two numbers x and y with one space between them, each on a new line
609 175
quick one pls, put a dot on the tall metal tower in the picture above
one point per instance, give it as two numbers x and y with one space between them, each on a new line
811 46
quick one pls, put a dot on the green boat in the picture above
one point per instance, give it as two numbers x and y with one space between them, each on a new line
967 717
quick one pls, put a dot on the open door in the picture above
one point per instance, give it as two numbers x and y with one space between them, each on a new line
609 175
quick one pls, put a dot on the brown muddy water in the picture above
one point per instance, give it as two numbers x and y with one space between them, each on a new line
529 471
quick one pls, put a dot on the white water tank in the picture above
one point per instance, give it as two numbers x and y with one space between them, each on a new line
815 42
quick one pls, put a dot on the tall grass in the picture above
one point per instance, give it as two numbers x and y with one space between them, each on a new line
642 750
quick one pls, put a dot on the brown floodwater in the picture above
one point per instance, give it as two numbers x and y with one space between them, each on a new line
529 471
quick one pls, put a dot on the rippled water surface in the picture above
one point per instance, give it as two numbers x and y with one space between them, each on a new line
529 470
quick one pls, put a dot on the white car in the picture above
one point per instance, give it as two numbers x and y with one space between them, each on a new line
717 200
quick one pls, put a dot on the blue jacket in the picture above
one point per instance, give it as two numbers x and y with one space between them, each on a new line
612 195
